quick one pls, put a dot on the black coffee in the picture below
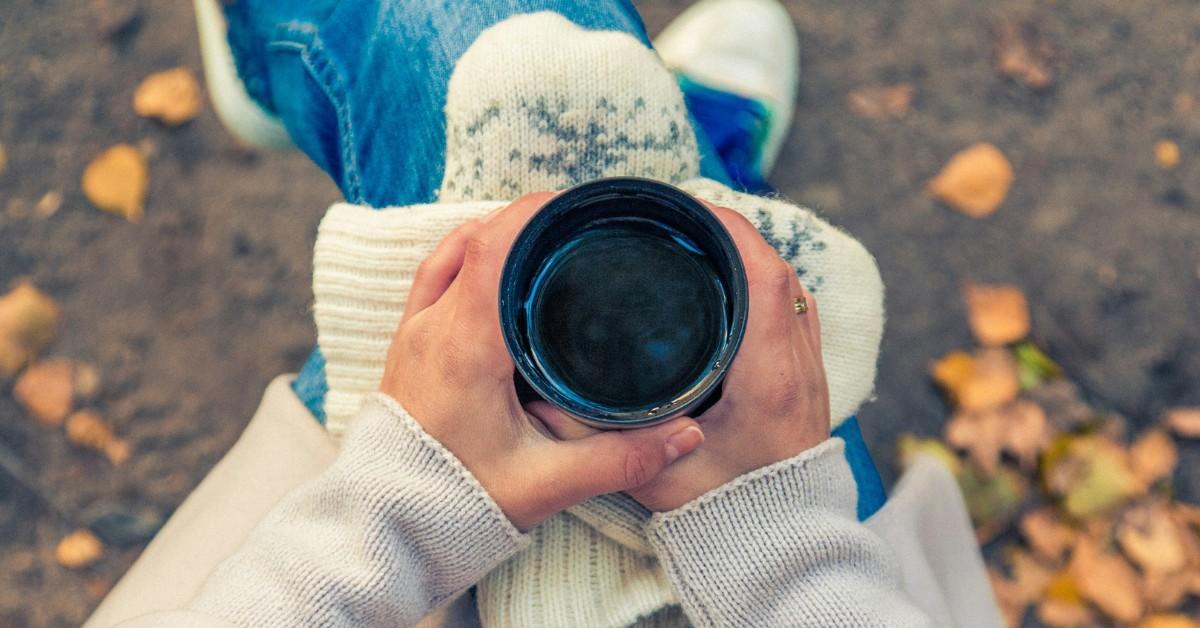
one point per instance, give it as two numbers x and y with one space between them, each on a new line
627 314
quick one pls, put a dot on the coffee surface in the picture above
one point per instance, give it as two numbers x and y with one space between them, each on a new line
626 314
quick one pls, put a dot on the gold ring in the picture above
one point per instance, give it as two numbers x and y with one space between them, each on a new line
800 305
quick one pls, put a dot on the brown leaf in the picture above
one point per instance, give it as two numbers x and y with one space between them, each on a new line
985 380
1046 533
46 390
116 181
87 429
1166 154
1023 55
1168 621
172 96
3 160
1029 580
881 102
1107 581
78 549
1062 603
1164 591
1010 597
1184 421
1026 432
998 313
1148 535
974 181
28 322
980 434
1153 456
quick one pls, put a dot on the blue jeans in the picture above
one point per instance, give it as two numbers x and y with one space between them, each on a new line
361 87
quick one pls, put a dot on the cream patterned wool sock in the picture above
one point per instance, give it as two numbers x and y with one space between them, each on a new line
539 104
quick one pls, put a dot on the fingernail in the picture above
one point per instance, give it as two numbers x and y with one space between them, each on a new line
683 442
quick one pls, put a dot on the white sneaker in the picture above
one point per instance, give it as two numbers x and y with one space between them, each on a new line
241 115
746 47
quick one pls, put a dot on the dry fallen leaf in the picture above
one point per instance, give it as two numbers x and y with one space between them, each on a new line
981 435
46 390
909 447
116 181
1168 621
1091 474
985 380
1166 154
1164 591
3 160
172 96
992 501
48 205
1184 421
1010 597
1063 604
881 102
28 321
1107 581
1148 535
78 549
1026 433
1023 55
87 429
1046 533
1153 456
974 181
998 313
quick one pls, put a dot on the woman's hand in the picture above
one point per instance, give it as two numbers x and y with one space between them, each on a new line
449 368
775 402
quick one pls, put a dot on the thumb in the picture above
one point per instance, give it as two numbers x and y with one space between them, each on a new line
614 461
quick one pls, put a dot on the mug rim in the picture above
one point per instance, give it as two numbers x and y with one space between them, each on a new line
510 301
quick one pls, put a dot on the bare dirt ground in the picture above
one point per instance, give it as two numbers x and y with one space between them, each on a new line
190 312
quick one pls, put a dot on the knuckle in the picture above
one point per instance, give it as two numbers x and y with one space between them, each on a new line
636 472
478 248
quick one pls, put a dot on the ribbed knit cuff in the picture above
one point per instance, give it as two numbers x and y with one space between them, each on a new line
731 551
448 515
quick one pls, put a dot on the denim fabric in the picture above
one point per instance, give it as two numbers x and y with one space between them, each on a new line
361 87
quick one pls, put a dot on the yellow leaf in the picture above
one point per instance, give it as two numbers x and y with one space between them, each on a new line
992 501
1091 473
998 313
974 181
46 390
172 96
910 447
116 181
1184 421
985 380
78 549
28 322
1166 154
1107 581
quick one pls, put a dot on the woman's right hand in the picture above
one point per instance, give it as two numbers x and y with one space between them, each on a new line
775 400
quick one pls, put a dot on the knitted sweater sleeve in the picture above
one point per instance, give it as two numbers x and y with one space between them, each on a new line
781 546
394 528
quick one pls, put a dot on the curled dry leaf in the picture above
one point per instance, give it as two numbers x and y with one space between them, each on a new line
87 429
28 322
47 390
998 313
1046 533
1090 473
1168 621
1148 535
1166 154
116 181
1023 55
985 380
992 501
1184 421
1153 456
974 181
1107 581
881 102
78 549
172 96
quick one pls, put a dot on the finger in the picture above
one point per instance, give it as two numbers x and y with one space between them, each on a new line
487 248
437 272
614 461
558 423
750 243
